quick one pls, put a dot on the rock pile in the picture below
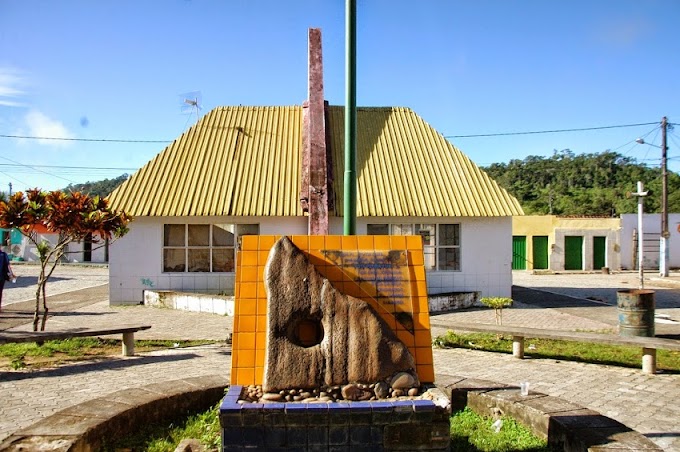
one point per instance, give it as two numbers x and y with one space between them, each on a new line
402 385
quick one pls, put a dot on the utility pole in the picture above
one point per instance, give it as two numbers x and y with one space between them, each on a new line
665 235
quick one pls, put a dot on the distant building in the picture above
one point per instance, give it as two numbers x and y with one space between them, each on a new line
651 228
551 242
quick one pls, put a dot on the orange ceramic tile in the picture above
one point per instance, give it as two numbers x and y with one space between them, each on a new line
414 242
234 344
301 241
316 242
415 258
249 258
259 376
262 257
421 289
421 304
246 358
233 380
381 242
397 242
423 338
261 290
237 290
261 323
406 337
419 273
316 261
333 242
259 357
246 323
368 289
248 290
334 273
424 355
249 242
246 341
365 242
352 289
349 242
260 340
267 242
425 373
261 306
247 274
244 307
422 321
246 376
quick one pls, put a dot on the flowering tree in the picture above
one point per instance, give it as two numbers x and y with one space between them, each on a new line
74 216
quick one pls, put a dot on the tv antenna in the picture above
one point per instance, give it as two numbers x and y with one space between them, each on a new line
191 103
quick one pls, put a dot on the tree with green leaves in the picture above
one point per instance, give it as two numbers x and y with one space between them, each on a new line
583 184
73 216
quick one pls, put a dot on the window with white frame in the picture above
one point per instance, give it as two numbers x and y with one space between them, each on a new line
441 242
202 248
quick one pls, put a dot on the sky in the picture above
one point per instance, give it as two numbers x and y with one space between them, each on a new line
120 70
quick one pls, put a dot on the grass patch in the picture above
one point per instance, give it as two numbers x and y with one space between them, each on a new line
471 432
204 427
32 355
612 355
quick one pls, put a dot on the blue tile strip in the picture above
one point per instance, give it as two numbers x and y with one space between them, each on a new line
333 426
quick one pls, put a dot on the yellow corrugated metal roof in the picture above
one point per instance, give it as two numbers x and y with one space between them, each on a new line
406 168
236 161
245 161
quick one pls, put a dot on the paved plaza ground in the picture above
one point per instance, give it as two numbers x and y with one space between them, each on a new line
649 404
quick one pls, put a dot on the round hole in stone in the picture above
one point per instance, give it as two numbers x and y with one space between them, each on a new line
307 332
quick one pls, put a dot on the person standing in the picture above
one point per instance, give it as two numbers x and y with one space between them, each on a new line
6 273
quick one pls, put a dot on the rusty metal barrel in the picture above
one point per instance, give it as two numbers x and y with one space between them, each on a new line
636 312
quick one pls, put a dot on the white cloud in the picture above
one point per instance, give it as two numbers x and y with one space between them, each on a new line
10 87
40 125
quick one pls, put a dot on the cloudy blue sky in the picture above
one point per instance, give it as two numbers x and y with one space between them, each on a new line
117 70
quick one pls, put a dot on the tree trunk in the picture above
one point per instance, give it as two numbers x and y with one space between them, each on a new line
45 309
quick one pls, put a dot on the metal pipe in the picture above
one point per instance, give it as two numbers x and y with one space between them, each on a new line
350 182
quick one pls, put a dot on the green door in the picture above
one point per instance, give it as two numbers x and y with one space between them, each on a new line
573 252
599 252
540 256
519 252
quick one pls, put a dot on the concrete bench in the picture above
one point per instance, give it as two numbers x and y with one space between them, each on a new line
40 337
565 425
649 345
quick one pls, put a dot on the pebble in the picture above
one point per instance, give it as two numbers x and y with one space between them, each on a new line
381 390
351 392
273 397
402 380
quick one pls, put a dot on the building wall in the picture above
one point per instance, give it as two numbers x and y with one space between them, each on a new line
651 225
557 228
135 261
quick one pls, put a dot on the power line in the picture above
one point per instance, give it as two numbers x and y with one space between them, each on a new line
535 132
91 140
70 167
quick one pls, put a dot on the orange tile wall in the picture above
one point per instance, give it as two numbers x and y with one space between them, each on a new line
250 316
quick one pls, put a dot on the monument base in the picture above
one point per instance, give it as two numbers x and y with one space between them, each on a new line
416 424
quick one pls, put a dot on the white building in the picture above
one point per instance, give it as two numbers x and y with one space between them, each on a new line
238 171
651 228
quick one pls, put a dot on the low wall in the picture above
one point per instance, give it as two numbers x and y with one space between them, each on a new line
453 300
194 302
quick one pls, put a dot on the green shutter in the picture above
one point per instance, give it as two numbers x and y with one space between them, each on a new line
519 252
599 252
573 252
540 257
